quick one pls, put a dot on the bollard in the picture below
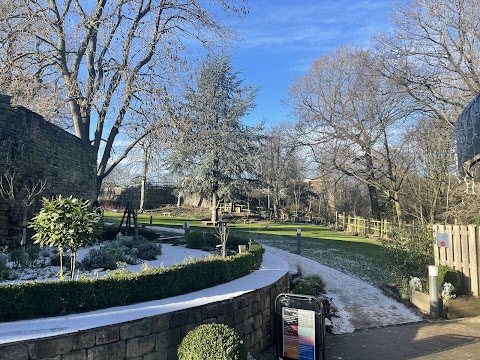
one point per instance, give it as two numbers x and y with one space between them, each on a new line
151 219
433 285
299 247
186 227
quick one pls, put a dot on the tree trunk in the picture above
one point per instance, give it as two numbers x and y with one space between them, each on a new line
143 184
276 202
398 208
214 208
179 199
269 205
60 254
73 259
372 190
99 187
374 205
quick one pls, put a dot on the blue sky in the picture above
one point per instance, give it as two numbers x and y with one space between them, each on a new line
279 39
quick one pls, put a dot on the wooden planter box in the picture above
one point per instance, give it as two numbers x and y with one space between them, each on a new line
421 301
461 307
449 308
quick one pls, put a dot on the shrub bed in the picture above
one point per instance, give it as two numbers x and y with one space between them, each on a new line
20 301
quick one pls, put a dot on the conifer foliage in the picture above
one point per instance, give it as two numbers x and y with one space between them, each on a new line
213 150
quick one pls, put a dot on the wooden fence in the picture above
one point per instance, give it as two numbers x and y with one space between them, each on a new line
364 227
462 253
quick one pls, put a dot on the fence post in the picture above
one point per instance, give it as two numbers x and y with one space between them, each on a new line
473 245
477 244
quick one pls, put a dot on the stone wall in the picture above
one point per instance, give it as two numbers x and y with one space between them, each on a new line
119 197
158 337
38 150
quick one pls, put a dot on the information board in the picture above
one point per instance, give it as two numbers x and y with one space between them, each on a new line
300 327
298 333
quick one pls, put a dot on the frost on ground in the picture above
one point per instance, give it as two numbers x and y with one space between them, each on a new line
360 305
171 255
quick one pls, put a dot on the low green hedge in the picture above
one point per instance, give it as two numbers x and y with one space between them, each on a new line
21 301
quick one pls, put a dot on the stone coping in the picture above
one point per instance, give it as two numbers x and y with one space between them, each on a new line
272 269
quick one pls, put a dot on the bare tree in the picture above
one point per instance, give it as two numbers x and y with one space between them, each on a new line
433 54
349 115
278 165
430 188
97 56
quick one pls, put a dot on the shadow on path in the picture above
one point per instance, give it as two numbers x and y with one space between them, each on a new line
439 340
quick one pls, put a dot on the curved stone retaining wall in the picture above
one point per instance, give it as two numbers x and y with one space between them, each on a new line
158 337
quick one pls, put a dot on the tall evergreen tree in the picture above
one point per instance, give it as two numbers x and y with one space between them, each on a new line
212 150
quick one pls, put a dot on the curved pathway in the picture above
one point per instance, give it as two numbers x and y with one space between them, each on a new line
360 305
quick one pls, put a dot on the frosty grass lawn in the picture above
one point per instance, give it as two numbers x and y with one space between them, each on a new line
357 256
360 257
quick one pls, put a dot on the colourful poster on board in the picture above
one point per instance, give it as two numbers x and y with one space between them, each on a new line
298 331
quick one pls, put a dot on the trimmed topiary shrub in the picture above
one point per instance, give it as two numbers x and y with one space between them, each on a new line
212 341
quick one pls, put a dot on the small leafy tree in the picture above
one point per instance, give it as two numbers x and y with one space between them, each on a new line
66 222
